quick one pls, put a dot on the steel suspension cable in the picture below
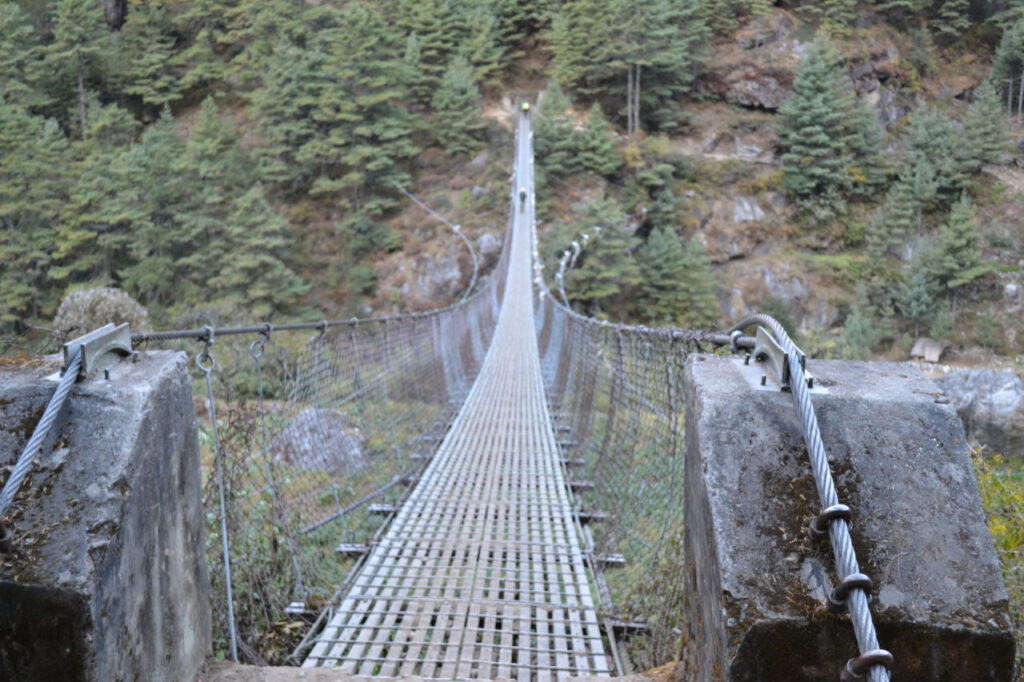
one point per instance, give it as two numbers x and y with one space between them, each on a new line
873 660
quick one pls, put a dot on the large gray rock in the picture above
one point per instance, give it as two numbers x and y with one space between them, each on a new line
756 585
108 580
991 405
321 438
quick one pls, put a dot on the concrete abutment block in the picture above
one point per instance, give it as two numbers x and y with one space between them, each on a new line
757 585
108 580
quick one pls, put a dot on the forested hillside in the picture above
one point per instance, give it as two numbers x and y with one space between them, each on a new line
236 159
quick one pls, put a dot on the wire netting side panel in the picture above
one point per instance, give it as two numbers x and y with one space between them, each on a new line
620 391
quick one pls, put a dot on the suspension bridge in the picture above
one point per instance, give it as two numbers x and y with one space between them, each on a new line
528 463
481 574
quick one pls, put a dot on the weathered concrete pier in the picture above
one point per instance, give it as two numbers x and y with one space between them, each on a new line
758 585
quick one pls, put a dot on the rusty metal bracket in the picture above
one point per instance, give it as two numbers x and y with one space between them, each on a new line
101 349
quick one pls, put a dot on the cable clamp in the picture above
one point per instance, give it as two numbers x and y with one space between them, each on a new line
101 349
820 524
855 668
838 596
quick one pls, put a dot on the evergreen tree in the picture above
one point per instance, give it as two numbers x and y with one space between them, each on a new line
957 260
255 276
1008 68
652 47
148 49
79 36
597 145
20 54
365 133
605 267
932 138
985 134
923 186
865 151
915 296
899 217
662 264
154 193
554 139
92 238
32 192
951 18
480 40
859 331
838 16
292 90
431 23
813 125
457 109
208 23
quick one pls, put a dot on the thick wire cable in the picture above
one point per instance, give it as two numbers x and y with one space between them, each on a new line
42 431
839 530
207 369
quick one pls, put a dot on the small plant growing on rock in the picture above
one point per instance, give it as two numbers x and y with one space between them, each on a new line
84 310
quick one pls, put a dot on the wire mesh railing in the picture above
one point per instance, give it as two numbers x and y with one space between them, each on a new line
320 428
617 394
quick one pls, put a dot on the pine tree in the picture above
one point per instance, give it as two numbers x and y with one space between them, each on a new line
457 110
155 192
79 36
915 296
480 40
208 23
366 133
891 228
813 126
149 47
859 331
606 266
1008 68
933 138
985 134
597 145
662 264
554 139
951 18
865 151
924 188
20 54
32 192
957 260
255 276
92 237
293 87
431 22
838 16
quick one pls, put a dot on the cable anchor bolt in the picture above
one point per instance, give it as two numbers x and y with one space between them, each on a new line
838 596
855 668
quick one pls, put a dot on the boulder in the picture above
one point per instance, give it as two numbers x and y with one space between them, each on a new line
321 438
991 406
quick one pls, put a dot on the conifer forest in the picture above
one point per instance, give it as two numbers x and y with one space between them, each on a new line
240 160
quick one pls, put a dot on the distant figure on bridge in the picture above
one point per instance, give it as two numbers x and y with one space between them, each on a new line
525 108
522 196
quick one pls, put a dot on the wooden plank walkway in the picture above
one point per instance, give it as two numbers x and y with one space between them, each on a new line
481 574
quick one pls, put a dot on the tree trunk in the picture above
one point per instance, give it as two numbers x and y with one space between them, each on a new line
1009 98
81 94
629 101
636 105
1020 99
116 11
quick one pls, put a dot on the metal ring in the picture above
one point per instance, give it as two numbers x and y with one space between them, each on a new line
819 527
837 597
733 338
855 668
201 358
